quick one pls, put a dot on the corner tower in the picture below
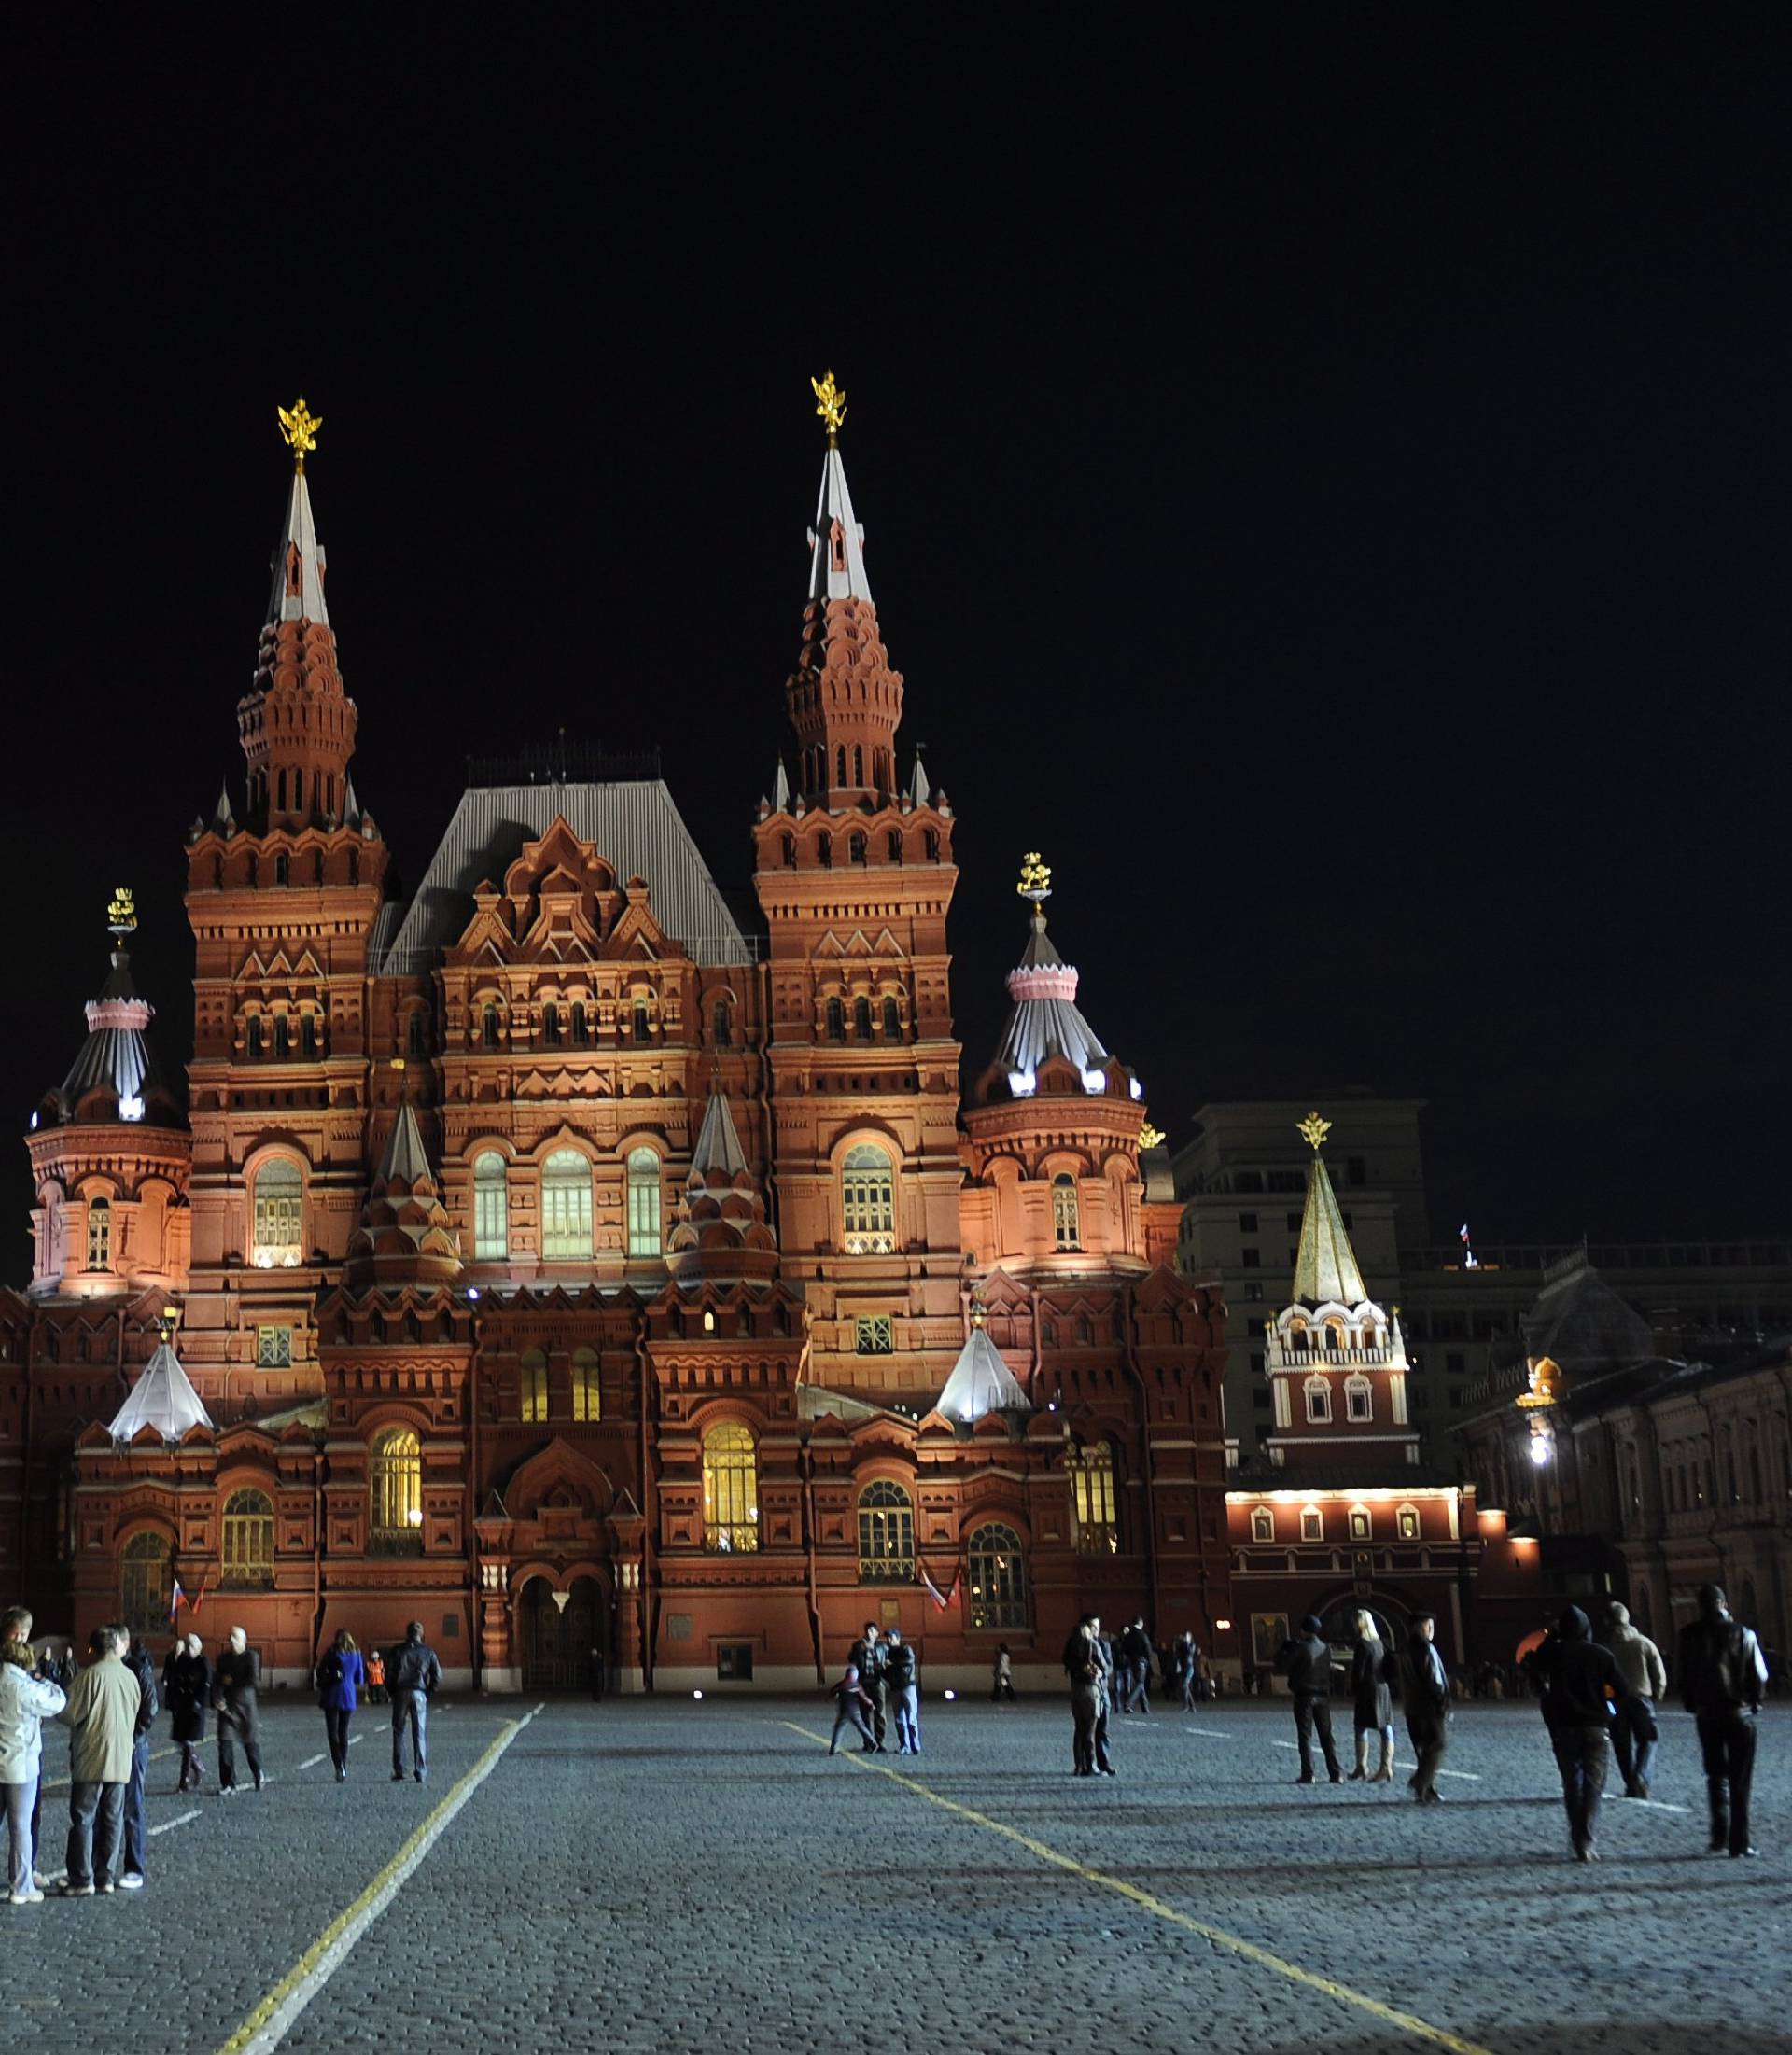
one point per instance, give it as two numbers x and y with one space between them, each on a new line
1337 1362
855 881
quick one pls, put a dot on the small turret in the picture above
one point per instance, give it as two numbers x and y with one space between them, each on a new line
719 1226
405 1237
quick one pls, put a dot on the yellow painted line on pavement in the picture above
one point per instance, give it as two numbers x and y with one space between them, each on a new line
1407 2021
266 2025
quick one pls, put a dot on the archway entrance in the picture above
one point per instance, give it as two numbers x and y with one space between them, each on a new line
558 1646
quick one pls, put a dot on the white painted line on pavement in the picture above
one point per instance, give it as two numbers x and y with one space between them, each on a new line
267 2025
1659 1805
311 1762
180 1819
1213 1733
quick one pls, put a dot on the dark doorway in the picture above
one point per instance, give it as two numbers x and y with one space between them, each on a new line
559 1647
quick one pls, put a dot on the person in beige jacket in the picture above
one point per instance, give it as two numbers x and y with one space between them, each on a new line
1634 1731
102 1714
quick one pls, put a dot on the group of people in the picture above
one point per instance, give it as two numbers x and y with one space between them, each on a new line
1376 1674
882 1677
111 1707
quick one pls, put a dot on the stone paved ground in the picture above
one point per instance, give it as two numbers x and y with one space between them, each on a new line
670 1875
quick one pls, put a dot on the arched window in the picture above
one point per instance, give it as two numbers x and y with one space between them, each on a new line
282 870
1067 1227
840 764
894 844
836 1021
488 1024
278 1237
644 1237
1359 1399
824 851
308 1035
566 1208
532 1387
394 1489
491 1208
255 1038
580 1027
1092 1493
892 1020
997 1576
643 1030
551 1024
1406 1522
1318 1399
857 766
145 1583
1362 1528
1312 1524
248 1539
855 849
1263 1524
730 1489
861 1018
886 1534
723 1031
586 1405
282 1039
868 1199
99 1233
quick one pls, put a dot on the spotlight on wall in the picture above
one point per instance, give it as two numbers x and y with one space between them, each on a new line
950 1694
696 1694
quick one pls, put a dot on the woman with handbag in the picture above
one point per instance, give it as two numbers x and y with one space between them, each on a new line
342 1676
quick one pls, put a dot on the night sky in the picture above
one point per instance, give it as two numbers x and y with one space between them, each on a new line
1326 489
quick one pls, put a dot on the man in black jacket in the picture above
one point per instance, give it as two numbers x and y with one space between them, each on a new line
1137 1644
414 1672
1722 1677
137 1660
1427 1692
1307 1664
236 1693
1580 1681
867 1656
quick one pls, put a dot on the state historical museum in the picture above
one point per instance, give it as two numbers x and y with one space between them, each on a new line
548 1257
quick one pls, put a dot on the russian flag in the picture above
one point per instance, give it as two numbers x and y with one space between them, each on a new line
177 1598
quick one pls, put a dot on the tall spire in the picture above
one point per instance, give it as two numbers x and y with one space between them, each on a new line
844 700
297 724
1325 1267
1046 1022
115 1077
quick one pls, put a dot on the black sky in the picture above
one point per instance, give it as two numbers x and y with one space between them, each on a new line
1325 486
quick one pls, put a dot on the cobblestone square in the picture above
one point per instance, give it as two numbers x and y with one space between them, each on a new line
684 1874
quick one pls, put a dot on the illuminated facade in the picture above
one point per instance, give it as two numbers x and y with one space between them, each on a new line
561 1262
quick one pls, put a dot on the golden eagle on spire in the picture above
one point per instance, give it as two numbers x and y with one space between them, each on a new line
1035 877
1313 1131
299 428
830 403
122 911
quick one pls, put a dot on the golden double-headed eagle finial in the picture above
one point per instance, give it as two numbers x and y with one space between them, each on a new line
1035 877
122 911
830 403
1313 1130
299 428
1150 1137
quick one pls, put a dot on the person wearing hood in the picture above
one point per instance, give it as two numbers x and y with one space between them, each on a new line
1307 1664
1634 1732
1580 1681
1722 1677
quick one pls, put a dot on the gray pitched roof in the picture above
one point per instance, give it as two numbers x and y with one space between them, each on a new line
981 1382
1046 1021
718 1143
162 1398
634 824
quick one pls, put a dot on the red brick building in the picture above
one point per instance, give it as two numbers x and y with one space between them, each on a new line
556 1260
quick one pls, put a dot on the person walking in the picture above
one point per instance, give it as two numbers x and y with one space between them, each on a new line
1427 1696
1580 1682
236 1684
1372 1691
1723 1675
28 1697
102 1716
415 1674
376 1677
341 1674
852 1701
902 1674
1306 1662
1001 1677
137 1660
866 1654
1088 1676
1188 1669
1634 1731
1137 1644
190 1692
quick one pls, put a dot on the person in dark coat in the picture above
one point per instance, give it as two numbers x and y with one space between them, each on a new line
416 1672
866 1655
1137 1645
1084 1667
852 1701
1306 1662
137 1660
1427 1697
1580 1682
1372 1691
341 1675
190 1691
236 1685
902 1677
1722 1677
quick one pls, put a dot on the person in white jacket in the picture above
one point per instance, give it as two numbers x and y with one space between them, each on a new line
26 1701
1634 1729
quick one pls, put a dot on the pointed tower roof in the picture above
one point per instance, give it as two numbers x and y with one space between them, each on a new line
719 1226
717 1148
405 1237
781 789
1046 1022
981 1382
298 563
1325 1267
836 541
115 1076
162 1398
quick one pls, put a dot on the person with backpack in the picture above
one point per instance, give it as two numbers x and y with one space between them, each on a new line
340 1676
901 1676
415 1673
1722 1677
